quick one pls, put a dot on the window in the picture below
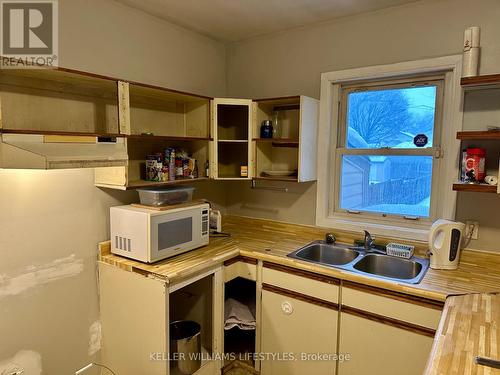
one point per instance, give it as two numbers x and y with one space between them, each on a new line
387 151
387 148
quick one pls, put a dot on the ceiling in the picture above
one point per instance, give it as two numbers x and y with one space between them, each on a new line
235 20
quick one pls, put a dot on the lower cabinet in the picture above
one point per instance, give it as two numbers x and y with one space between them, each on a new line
299 321
380 349
306 323
385 333
135 315
295 333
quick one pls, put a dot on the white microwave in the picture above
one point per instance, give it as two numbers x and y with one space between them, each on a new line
151 235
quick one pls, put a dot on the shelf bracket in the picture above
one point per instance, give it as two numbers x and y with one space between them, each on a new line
271 188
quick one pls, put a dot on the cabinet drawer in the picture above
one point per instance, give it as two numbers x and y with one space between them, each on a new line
307 283
413 310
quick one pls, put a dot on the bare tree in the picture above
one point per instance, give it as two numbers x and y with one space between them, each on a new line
377 116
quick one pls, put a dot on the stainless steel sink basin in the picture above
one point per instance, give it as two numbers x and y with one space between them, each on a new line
355 259
390 267
323 253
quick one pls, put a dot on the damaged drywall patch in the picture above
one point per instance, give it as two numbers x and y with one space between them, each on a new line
32 276
95 337
28 361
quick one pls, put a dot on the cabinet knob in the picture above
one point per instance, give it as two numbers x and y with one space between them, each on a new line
287 308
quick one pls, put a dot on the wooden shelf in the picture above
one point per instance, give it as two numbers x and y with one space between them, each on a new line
232 178
286 178
83 134
279 142
293 99
476 188
63 133
132 185
481 82
165 137
233 140
486 135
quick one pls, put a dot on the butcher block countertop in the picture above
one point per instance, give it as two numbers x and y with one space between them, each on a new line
468 328
271 241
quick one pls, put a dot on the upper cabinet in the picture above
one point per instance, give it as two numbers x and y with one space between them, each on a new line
58 119
481 89
45 100
166 113
287 152
290 155
156 123
231 149
140 135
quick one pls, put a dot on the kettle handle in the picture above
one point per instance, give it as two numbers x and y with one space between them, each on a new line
432 238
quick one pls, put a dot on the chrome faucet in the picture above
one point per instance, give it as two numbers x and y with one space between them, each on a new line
369 245
330 238
369 242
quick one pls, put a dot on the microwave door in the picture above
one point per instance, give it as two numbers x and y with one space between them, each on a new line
171 234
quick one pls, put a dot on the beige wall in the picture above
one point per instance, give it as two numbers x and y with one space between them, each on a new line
53 220
107 37
291 63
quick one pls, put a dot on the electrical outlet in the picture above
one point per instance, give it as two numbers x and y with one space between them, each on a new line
468 226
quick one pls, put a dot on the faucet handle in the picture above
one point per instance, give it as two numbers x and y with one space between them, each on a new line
369 240
330 238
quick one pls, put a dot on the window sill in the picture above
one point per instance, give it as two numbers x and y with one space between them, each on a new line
415 232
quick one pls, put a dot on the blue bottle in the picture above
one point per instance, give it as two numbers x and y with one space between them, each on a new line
266 129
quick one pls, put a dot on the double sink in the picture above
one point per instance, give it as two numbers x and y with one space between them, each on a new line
357 260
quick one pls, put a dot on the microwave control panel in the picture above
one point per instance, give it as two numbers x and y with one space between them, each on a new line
204 222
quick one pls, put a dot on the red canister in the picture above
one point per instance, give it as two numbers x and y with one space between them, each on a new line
474 165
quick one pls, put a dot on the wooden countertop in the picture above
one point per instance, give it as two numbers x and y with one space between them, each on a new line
468 328
272 241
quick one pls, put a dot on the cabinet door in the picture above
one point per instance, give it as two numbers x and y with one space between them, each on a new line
295 327
377 348
132 333
232 139
308 138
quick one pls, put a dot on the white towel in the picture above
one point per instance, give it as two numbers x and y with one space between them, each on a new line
238 315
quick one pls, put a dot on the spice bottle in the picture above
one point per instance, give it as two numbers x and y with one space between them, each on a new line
207 169
243 170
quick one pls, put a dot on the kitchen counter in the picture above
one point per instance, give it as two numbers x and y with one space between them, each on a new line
271 241
468 328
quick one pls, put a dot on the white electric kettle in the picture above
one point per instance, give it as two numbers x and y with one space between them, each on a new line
445 239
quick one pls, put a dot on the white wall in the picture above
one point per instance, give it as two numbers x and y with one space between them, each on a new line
53 220
291 62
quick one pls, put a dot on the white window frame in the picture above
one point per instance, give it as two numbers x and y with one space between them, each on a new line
330 133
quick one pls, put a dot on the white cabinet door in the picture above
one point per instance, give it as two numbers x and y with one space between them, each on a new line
295 327
134 316
378 348
308 141
231 147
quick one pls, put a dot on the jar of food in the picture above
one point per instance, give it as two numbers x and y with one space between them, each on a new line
243 170
474 165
